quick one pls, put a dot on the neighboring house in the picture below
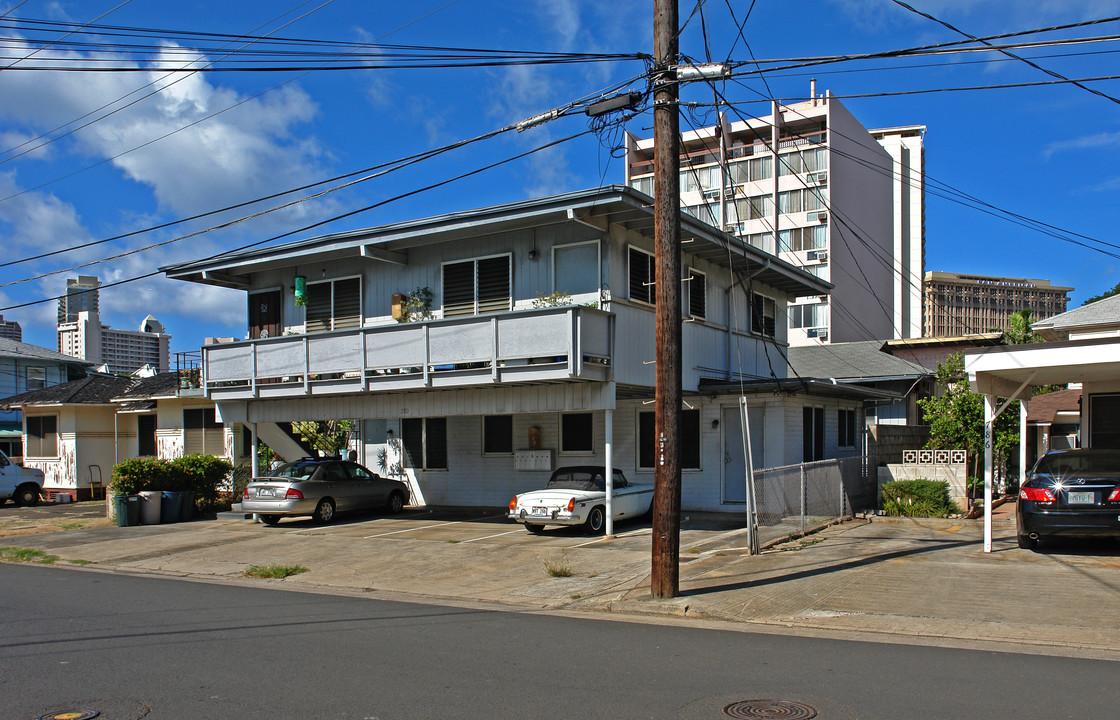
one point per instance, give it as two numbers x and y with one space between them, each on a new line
1053 423
26 367
1100 319
865 364
1085 350
499 387
76 432
929 352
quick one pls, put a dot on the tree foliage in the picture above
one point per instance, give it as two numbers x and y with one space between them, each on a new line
1019 329
1109 293
327 436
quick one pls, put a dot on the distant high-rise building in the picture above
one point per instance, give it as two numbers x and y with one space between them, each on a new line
810 184
957 304
81 295
10 329
81 334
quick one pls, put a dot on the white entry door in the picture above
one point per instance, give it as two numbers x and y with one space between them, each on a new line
734 460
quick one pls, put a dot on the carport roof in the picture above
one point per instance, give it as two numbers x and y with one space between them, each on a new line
797 386
597 208
1000 371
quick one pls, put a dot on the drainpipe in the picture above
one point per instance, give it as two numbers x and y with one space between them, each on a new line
608 459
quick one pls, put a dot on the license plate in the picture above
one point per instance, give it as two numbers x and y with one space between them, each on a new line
1081 498
264 492
539 512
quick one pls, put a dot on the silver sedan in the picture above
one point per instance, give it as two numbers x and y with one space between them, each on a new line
320 488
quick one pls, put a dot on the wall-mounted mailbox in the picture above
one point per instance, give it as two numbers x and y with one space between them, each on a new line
533 460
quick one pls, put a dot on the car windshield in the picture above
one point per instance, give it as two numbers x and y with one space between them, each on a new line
1071 463
295 471
577 479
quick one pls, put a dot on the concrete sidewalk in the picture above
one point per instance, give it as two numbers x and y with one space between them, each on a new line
887 579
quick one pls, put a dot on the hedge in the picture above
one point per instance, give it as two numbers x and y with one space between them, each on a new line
201 474
918 498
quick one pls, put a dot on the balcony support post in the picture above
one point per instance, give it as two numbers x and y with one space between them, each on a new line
494 349
306 366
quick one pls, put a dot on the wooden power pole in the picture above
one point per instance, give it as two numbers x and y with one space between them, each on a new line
665 570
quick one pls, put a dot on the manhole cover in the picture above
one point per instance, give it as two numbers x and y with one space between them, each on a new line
71 715
769 709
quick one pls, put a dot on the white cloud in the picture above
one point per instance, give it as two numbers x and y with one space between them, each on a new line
36 220
247 151
1082 143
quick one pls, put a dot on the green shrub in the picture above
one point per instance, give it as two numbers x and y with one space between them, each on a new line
918 498
137 474
201 474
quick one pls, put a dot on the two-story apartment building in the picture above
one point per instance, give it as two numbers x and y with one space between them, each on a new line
485 348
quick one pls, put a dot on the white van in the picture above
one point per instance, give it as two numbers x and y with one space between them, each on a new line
23 485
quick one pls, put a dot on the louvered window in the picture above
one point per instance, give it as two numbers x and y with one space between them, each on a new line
334 305
696 294
476 287
202 433
762 315
642 288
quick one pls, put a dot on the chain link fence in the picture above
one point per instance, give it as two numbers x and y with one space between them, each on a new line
796 498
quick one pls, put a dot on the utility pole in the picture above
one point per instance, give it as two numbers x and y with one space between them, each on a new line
665 566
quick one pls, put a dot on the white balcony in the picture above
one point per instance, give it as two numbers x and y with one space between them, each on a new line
530 346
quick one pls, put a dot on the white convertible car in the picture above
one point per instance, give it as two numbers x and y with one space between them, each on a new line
578 496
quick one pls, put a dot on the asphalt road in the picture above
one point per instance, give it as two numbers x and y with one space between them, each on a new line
132 647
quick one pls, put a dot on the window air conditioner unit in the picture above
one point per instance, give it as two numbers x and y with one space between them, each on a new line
816 215
822 255
818 333
820 177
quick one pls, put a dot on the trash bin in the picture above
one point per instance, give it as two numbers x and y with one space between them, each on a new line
127 508
186 512
150 507
170 506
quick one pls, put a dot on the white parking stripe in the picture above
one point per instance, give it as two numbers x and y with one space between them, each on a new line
429 527
464 542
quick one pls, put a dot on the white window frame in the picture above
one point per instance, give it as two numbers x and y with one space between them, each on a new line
687 295
758 331
588 296
361 300
475 260
652 280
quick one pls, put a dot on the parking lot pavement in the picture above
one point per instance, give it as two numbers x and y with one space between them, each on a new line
872 578
49 517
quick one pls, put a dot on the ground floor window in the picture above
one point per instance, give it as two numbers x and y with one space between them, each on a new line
497 434
812 426
846 428
1104 421
576 432
202 433
689 451
425 442
42 436
146 435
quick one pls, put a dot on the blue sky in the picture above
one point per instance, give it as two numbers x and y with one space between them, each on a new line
1047 152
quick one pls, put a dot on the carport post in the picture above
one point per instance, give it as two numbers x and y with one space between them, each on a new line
608 460
254 462
1022 442
988 420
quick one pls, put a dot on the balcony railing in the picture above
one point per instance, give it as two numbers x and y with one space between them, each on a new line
555 344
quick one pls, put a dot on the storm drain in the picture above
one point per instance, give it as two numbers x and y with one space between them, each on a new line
784 709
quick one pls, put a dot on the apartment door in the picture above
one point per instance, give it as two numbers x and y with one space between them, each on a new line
264 314
734 458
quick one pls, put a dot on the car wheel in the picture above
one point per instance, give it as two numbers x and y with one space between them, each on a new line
396 503
596 521
27 495
535 529
324 511
1027 543
270 519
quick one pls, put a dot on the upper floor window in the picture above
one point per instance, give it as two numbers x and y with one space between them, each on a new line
763 313
641 275
805 238
802 161
575 269
752 170
695 295
477 287
334 305
813 315
36 378
643 184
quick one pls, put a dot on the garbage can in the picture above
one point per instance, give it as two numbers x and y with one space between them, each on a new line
187 510
127 508
150 506
170 506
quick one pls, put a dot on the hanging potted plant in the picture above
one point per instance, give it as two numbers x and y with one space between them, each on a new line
301 290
